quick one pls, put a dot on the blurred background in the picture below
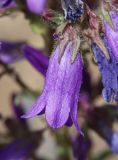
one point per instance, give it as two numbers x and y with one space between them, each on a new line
16 28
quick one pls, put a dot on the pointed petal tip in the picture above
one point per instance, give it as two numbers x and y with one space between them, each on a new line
81 133
26 116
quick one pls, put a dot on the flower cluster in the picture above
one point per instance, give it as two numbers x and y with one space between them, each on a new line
80 26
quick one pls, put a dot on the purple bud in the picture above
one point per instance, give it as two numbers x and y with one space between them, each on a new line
36 6
81 146
5 4
10 52
36 58
114 17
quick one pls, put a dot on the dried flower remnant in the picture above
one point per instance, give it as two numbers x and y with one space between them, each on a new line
73 9
61 92
94 30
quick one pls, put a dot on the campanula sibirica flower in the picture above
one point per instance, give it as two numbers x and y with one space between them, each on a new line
60 95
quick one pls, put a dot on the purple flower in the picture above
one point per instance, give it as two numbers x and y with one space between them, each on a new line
5 4
36 6
16 150
10 52
109 72
36 58
114 17
113 143
61 92
112 35
81 146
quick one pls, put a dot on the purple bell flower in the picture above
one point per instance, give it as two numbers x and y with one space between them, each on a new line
5 4
10 52
81 146
109 72
16 150
36 6
59 98
39 60
112 35
114 142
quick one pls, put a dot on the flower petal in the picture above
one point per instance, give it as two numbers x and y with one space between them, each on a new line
112 38
58 102
61 93
74 116
114 17
69 122
76 89
37 107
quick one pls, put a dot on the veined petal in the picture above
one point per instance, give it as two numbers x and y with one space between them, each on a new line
61 94
40 104
37 107
58 102
57 110
76 83
112 38
114 17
